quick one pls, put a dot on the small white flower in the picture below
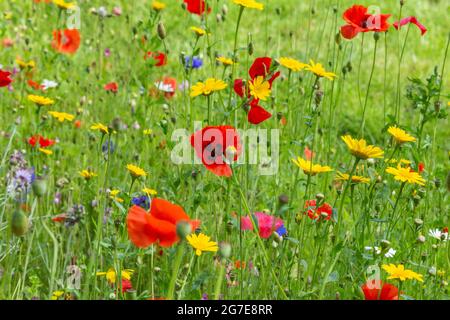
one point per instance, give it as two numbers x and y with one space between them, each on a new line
438 235
391 253
377 250
48 84
165 87
102 12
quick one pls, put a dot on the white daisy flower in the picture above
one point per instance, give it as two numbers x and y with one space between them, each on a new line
165 87
391 253
48 84
438 235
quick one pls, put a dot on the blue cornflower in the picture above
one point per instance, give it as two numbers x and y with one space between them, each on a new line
196 63
142 201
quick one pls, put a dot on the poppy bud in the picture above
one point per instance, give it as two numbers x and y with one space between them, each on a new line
229 227
19 223
224 250
320 197
448 181
278 11
418 222
338 38
250 49
161 31
183 229
376 36
40 186
283 199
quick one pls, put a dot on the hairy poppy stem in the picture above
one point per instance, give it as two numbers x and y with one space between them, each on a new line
219 280
176 268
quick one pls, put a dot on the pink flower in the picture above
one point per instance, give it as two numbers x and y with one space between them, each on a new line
412 20
267 224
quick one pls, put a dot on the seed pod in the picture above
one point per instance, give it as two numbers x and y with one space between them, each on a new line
183 229
224 250
19 223
40 187
251 49
161 31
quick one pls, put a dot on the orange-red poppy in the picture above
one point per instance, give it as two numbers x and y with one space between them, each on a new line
158 225
213 144
112 87
197 7
66 41
359 20
385 292
5 79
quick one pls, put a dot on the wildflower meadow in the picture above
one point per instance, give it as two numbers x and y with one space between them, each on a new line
224 150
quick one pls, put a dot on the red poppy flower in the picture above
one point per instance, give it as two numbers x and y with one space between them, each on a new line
308 153
34 85
257 114
126 285
211 145
324 212
5 79
167 85
413 20
373 292
445 230
196 6
359 20
112 87
66 41
60 218
158 225
261 67
159 58
43 142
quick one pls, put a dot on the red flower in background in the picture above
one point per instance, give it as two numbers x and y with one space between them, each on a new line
167 85
66 41
159 58
261 67
112 87
5 79
196 6
413 20
374 292
34 85
324 212
126 285
212 144
43 142
360 20
159 225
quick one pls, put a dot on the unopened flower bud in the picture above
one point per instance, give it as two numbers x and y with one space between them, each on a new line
19 223
250 48
224 250
40 186
385 244
183 229
418 221
161 31
283 199
421 239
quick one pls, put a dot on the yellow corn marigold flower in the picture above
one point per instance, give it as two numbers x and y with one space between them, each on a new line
406 175
400 136
292 64
46 151
319 70
355 179
56 295
208 87
310 168
26 65
158 6
399 272
198 31
64 5
61 116
148 132
201 243
251 4
361 150
113 195
100 127
40 101
150 192
225 61
88 175
111 275
135 171
260 88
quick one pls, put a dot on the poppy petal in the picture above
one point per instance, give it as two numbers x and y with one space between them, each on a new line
138 228
164 210
349 32
258 114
